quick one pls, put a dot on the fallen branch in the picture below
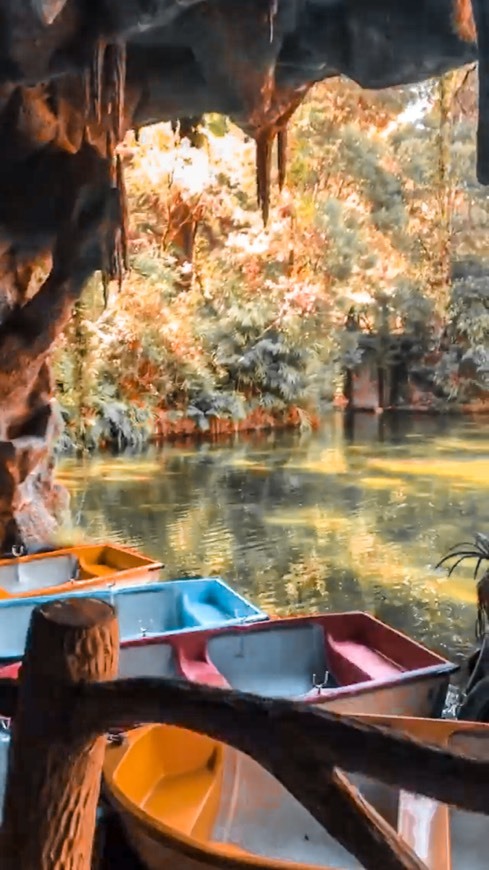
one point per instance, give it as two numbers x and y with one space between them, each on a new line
267 729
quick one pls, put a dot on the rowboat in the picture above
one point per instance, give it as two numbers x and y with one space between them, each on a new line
152 609
82 568
191 802
348 662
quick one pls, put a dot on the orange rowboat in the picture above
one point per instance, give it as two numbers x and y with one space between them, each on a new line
73 569
190 802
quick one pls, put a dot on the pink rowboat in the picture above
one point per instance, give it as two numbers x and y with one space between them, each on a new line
347 662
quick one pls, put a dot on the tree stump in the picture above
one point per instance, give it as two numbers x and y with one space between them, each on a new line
54 772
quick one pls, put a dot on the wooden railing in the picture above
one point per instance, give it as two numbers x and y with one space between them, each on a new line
68 699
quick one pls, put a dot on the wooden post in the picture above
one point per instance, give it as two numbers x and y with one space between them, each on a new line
54 773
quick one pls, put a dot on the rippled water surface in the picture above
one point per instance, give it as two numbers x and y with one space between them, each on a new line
323 521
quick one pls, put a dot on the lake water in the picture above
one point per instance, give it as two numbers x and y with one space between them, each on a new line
331 520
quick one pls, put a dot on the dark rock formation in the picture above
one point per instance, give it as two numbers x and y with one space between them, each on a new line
75 74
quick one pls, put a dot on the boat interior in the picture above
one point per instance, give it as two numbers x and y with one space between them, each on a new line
148 660
145 611
198 791
467 830
292 657
21 575
27 574
281 662
181 604
278 658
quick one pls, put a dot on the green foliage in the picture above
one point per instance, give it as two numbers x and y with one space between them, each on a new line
381 201
258 359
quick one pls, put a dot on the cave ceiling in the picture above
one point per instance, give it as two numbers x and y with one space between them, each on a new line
249 59
85 71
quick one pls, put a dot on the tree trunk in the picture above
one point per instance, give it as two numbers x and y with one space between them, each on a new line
54 774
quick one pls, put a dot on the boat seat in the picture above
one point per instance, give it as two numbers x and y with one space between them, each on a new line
95 569
11 672
353 662
201 671
200 613
179 801
170 774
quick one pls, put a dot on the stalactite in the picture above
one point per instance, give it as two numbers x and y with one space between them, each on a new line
481 17
105 85
117 261
282 156
264 143
124 211
112 268
104 88
114 81
105 287
94 78
272 12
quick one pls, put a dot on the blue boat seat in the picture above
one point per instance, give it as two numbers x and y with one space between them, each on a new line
279 662
202 613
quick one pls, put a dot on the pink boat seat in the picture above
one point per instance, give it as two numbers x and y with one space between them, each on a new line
202 671
11 672
353 662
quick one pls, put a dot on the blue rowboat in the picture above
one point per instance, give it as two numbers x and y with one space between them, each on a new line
145 611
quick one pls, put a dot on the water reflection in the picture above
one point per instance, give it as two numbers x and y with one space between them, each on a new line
332 520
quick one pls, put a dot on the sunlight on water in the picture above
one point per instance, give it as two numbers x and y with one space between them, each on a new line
466 469
309 522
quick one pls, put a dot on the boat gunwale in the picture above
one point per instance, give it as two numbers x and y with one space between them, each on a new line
418 675
146 561
289 621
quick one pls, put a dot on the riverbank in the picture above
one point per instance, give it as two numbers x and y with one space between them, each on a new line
124 426
170 425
